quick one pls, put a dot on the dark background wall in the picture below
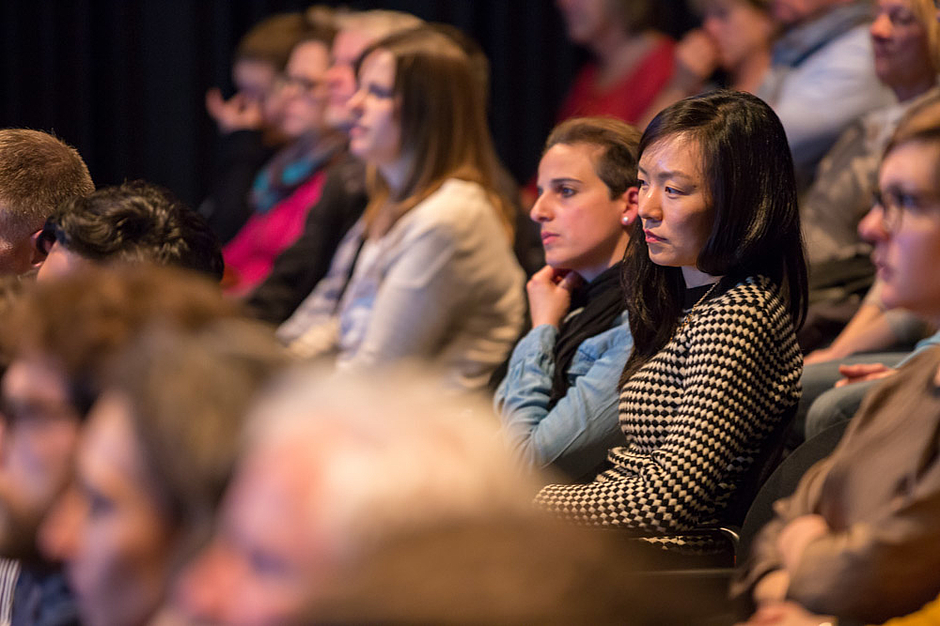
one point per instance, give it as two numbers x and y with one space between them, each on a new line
124 80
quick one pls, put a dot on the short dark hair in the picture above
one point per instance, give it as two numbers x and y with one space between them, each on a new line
38 172
136 222
617 163
748 170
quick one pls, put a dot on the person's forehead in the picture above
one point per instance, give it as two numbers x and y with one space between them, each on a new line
913 160
349 44
109 453
309 57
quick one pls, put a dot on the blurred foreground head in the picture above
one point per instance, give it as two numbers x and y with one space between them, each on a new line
334 468
56 342
153 462
361 502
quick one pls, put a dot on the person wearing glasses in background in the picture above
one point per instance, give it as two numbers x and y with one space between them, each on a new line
291 182
858 538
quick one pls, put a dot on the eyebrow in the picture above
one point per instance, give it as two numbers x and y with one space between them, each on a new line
564 179
668 174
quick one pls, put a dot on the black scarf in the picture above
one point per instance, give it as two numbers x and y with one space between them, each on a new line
600 302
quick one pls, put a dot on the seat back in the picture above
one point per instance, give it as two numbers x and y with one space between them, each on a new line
783 481
766 461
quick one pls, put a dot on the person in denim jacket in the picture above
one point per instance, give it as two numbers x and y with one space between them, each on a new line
559 399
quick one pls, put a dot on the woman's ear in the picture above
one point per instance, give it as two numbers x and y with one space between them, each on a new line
630 206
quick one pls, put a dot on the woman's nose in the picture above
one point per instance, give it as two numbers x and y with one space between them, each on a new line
539 212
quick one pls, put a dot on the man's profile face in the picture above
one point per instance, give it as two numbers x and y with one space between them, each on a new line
39 436
269 552
17 253
341 75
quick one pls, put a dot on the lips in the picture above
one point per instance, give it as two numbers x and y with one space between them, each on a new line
882 269
651 238
548 238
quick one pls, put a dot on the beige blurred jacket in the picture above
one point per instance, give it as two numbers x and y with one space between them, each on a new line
879 492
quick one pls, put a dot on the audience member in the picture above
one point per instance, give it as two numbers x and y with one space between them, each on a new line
57 339
904 37
291 182
715 285
135 222
152 463
38 172
248 121
300 267
821 77
632 62
736 37
855 538
428 272
334 468
559 398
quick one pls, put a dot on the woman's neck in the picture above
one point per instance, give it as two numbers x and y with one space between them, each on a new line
695 277
394 174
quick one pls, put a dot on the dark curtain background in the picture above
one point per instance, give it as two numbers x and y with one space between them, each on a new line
124 80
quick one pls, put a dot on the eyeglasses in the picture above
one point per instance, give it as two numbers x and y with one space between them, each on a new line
306 86
894 203
49 234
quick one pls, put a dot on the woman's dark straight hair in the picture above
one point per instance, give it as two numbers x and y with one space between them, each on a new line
748 171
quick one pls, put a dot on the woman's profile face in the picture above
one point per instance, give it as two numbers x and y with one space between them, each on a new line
108 529
375 136
905 228
674 201
582 227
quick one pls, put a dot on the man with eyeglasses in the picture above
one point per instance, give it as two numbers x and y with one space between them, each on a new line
858 537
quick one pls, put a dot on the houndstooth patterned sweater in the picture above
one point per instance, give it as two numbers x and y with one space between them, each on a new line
694 417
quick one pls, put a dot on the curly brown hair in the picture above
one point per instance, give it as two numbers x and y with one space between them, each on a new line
84 320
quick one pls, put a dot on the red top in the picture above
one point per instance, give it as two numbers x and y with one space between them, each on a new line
250 254
629 98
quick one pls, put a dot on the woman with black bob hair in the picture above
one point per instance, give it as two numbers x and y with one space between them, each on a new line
715 283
